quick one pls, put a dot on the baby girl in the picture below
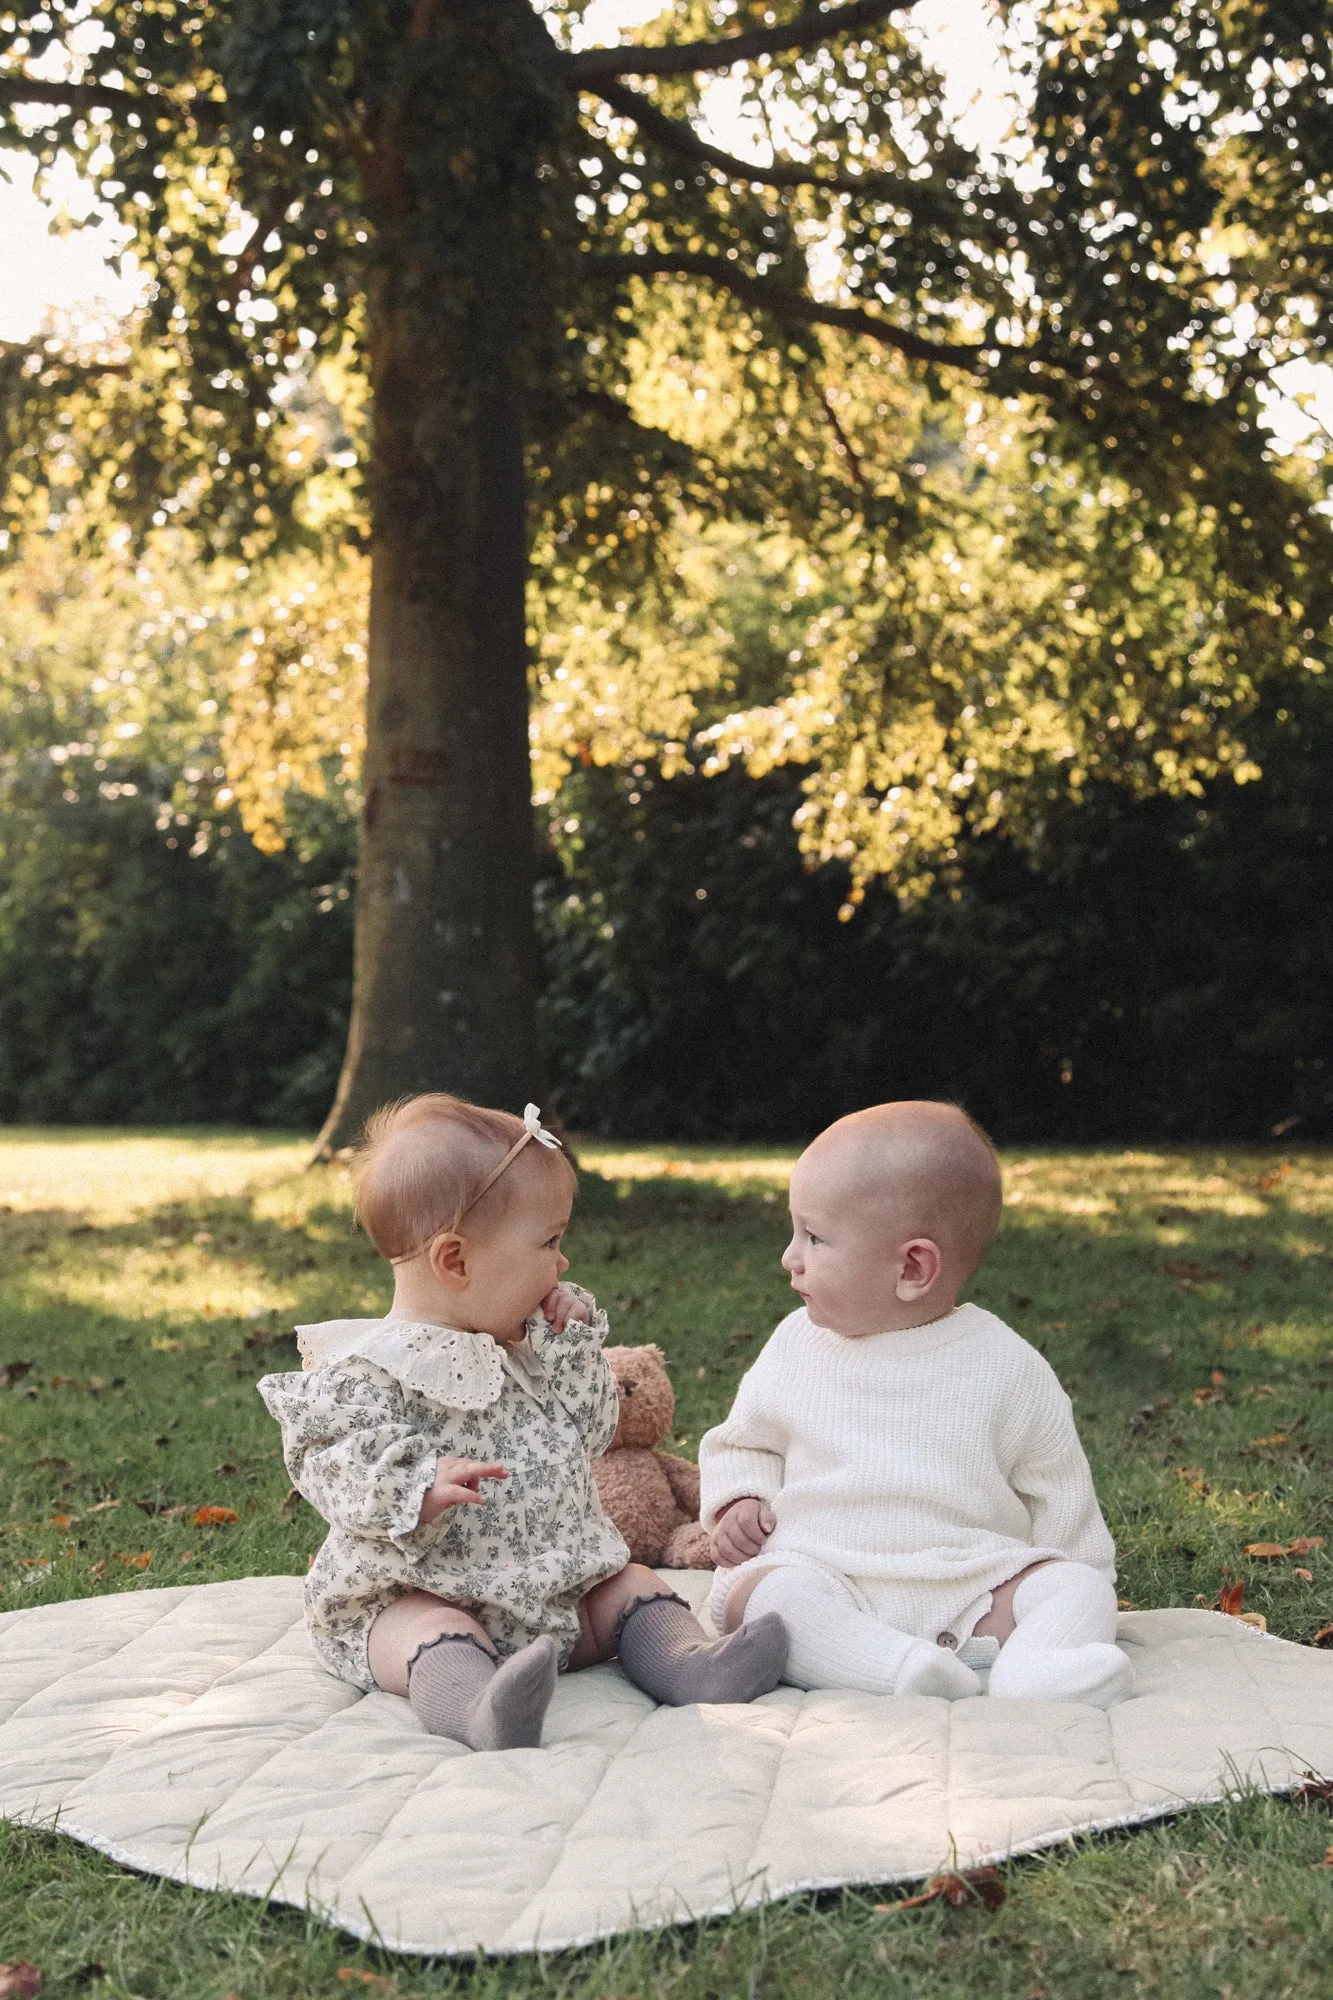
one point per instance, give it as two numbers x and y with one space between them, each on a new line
900 1479
449 1447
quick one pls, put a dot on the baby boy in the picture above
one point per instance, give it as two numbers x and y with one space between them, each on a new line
900 1478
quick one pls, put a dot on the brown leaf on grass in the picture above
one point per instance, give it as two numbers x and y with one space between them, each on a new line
213 1517
1323 1637
974 1885
352 1975
62 1520
1231 1598
1278 1437
1267 1182
1305 1575
1194 1479
1305 1545
1212 1395
20 1979
104 1506
1313 1791
141 1561
1255 1618
1265 1549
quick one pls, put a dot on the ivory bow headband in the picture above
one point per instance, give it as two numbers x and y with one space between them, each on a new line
532 1129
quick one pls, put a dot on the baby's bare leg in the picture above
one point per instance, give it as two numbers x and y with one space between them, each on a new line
442 1660
405 1626
602 1609
998 1622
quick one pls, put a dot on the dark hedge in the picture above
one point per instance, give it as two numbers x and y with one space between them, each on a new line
1160 970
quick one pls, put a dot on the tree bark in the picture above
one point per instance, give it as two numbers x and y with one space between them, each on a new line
444 983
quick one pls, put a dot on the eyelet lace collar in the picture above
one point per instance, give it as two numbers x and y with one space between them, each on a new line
464 1371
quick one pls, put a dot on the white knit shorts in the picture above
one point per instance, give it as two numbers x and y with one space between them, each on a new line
924 1608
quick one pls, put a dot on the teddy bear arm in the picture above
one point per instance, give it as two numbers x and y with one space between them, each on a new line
683 1479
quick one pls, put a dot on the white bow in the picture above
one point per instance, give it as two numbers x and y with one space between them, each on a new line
532 1119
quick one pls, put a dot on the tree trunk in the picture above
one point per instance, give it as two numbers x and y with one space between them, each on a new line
444 986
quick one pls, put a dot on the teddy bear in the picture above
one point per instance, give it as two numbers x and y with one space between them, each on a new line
652 1498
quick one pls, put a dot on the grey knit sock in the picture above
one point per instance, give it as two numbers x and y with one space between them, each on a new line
457 1690
665 1651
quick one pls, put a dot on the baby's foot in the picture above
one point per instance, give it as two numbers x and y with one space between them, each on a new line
937 1670
1098 1675
509 1712
664 1650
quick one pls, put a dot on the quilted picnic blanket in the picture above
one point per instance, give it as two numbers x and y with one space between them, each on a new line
190 1733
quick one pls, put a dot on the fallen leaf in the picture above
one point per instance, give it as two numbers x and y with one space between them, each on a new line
1255 1618
56 1464
1267 1182
1218 1379
1323 1637
1313 1791
351 1975
212 1517
976 1885
228 1467
1231 1597
1264 1549
20 1979
98 1568
1305 1545
1305 1575
62 1520
1202 1396
141 1561
1278 1437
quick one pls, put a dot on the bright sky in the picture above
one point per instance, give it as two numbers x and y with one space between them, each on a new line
70 273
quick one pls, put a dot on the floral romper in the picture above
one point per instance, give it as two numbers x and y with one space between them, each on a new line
378 1403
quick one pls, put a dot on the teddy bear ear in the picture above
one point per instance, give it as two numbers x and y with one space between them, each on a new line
656 1353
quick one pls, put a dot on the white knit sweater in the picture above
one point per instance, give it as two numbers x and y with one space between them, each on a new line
941 1454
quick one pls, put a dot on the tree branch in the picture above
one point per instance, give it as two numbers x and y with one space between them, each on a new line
814 25
678 137
785 302
84 97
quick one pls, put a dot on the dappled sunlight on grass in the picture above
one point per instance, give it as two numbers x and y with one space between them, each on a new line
115 1174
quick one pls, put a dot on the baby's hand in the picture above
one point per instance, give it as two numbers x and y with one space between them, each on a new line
456 1486
742 1531
562 1305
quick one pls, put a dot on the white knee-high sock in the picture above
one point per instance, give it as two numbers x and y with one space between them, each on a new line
1062 1648
832 1643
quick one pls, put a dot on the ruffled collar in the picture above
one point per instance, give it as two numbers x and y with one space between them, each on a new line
464 1371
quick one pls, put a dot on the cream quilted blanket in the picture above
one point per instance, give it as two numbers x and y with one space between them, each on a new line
190 1733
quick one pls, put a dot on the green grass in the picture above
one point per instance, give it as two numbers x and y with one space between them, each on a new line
149 1279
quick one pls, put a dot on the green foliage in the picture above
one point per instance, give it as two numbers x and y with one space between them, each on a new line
1125 289
153 964
1113 983
171 1268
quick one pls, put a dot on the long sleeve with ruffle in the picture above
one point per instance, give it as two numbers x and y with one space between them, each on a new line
580 1375
351 1450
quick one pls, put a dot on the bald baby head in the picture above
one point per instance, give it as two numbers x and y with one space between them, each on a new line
918 1167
